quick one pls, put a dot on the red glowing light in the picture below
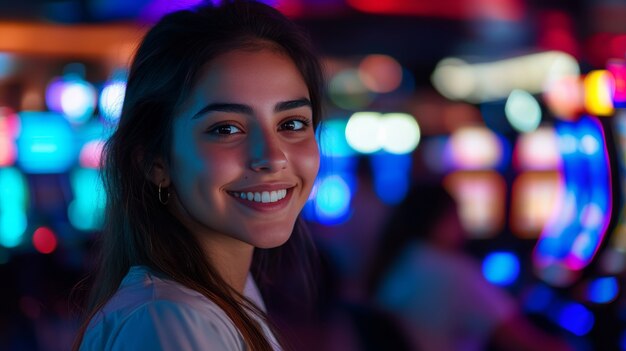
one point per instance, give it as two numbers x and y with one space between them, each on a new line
44 240
507 10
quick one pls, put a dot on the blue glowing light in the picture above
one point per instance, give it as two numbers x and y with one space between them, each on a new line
332 200
539 299
575 318
391 176
603 290
574 235
86 211
501 268
46 143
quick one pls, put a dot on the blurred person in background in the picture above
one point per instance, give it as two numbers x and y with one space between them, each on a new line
436 292
213 159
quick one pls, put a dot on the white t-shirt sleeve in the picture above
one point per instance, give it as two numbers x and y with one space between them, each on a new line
168 326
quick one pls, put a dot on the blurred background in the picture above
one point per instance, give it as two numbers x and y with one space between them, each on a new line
516 105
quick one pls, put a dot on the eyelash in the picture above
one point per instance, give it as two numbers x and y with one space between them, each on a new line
215 129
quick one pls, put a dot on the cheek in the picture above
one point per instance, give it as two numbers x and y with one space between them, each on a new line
307 159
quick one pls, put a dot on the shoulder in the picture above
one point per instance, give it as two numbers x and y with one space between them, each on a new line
149 312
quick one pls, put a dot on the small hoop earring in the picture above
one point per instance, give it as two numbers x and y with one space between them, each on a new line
164 202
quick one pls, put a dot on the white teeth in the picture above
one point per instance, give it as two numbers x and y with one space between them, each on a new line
264 197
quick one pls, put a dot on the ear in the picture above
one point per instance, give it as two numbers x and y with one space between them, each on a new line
159 174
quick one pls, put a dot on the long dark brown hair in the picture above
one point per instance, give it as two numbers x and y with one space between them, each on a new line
138 230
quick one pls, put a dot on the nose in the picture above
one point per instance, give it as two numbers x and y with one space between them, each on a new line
266 154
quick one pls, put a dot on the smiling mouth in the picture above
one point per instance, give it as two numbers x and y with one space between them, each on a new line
261 196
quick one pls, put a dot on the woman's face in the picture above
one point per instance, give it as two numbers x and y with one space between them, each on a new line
244 155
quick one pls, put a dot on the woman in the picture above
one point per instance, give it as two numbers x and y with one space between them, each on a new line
212 161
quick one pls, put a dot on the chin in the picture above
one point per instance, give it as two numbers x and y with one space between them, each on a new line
269 239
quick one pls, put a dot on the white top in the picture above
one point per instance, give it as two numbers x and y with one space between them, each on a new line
149 312
443 300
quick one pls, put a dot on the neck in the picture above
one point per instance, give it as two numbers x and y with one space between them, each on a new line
231 259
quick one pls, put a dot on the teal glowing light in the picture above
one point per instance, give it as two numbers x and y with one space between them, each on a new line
13 201
603 290
333 141
86 211
501 268
46 143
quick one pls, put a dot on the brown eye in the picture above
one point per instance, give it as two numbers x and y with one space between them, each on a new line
293 125
225 129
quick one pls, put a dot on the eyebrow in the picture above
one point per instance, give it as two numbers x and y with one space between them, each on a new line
247 110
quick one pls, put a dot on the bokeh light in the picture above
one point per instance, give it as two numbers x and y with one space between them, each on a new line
111 100
522 111
78 100
603 290
380 73
44 240
46 143
91 153
332 201
475 148
457 79
86 211
501 268
617 69
13 202
599 93
564 97
575 318
362 132
537 150
347 91
332 138
400 133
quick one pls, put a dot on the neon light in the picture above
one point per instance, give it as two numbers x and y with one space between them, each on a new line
598 93
617 68
46 143
577 228
501 268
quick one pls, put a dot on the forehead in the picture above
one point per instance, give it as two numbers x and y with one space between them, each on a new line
255 71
